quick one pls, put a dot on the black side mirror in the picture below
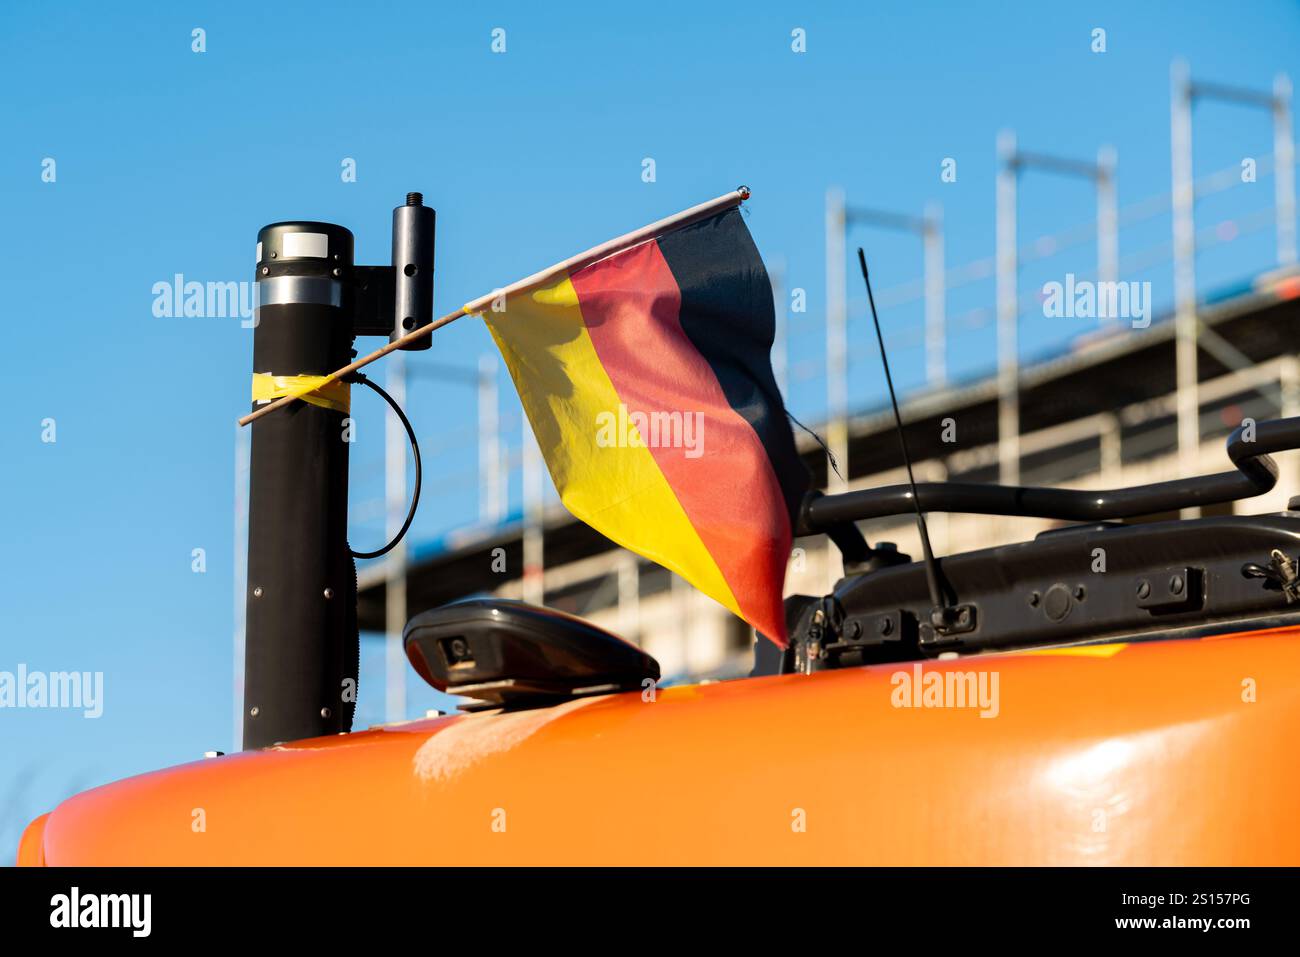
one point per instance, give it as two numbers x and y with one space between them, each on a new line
510 654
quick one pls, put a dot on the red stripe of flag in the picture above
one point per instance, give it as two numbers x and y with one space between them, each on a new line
630 305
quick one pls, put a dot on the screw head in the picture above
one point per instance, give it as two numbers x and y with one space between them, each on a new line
886 626
324 712
254 711
329 593
1176 585
1144 588
337 271
257 592
1034 599
266 270
1080 593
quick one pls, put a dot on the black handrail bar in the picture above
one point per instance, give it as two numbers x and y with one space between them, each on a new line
1249 448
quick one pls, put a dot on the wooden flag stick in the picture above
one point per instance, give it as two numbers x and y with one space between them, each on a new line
572 264
357 364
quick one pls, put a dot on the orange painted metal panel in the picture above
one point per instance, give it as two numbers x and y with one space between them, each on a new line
1152 753
31 847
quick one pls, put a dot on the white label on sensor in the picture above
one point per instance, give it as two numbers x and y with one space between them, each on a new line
306 245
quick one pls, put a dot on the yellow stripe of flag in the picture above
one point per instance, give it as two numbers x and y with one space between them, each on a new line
620 492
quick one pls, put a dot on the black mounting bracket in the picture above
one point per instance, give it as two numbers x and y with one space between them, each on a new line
394 300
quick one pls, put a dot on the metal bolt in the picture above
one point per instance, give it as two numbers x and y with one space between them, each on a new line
1176 585
266 270
329 593
886 626
257 592
254 711
963 616
338 271
274 254
1144 588
324 712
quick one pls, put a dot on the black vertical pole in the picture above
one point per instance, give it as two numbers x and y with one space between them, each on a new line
301 640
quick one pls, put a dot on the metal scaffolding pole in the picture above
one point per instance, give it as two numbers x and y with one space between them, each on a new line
1278 103
491 508
629 596
493 478
681 594
492 498
1111 441
1007 309
395 562
1183 95
1284 170
1011 162
1184 228
837 386
1107 217
533 581
936 336
930 228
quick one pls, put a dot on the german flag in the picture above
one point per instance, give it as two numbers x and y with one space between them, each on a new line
647 378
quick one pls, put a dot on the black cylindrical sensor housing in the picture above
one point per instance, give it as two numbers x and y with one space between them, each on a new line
413 233
300 662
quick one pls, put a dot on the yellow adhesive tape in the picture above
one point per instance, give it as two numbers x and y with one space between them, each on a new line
336 395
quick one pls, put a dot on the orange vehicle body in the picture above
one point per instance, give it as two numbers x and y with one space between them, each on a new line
1174 752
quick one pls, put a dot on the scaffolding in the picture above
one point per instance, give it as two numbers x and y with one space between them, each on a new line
1161 434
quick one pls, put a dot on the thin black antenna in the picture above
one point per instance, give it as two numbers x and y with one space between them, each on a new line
939 612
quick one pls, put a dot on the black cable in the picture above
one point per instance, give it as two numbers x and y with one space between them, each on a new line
419 474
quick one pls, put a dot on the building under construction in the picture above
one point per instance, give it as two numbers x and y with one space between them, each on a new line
1103 415
1125 403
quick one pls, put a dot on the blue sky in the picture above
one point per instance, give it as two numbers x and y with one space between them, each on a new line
168 161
